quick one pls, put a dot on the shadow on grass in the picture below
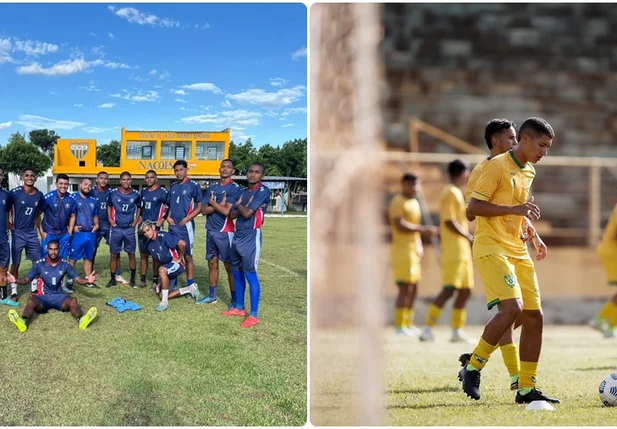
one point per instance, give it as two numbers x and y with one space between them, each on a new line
424 407
596 368
424 390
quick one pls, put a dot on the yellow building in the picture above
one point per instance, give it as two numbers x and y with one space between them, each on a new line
141 151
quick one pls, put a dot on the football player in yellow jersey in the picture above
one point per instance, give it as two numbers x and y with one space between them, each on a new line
456 263
500 200
606 320
404 217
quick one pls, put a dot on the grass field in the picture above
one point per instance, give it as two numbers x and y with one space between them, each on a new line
185 366
422 388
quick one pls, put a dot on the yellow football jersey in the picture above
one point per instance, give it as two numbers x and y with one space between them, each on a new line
609 239
452 207
503 181
409 210
473 178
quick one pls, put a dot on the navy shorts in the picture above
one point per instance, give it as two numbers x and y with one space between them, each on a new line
245 249
64 241
120 236
5 252
52 300
82 246
28 240
185 233
101 233
174 269
218 244
142 241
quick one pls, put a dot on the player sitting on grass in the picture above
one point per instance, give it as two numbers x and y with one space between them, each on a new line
168 250
51 271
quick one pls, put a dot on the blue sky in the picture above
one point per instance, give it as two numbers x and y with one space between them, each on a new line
86 70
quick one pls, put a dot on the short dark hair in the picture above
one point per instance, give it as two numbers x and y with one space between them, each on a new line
228 159
150 171
180 162
86 178
28 169
102 172
56 242
125 173
495 126
537 126
409 177
62 176
263 167
456 168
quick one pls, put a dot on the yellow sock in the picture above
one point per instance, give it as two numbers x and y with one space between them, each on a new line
432 316
529 373
398 317
409 318
605 312
405 322
459 317
481 354
612 314
510 358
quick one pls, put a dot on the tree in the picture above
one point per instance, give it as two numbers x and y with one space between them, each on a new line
19 153
293 158
109 154
45 140
242 156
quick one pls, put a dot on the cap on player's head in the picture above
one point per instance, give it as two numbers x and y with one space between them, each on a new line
456 168
535 127
496 126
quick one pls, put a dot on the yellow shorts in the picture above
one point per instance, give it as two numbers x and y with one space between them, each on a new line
406 268
609 260
457 274
506 278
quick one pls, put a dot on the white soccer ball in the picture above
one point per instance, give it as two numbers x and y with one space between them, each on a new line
608 390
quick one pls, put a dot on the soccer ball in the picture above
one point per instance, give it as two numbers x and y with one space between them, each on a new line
608 390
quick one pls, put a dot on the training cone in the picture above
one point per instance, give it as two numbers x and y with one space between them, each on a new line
540 405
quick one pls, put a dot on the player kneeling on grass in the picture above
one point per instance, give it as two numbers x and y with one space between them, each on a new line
168 250
51 270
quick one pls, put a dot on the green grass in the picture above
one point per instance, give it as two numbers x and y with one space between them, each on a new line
185 366
422 388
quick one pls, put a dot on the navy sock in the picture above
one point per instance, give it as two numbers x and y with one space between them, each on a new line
240 288
213 292
189 282
233 297
254 291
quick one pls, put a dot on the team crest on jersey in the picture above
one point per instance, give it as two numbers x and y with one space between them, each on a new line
67 205
23 202
131 200
510 280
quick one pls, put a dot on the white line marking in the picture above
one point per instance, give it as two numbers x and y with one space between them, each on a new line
287 270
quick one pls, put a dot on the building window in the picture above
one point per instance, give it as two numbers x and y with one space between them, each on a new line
140 150
210 151
176 150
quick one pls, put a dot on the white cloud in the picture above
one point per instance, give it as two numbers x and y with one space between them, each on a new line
5 125
68 67
158 86
299 54
178 91
165 75
98 51
287 125
94 130
241 118
293 111
226 103
277 81
140 96
203 27
137 17
34 47
179 100
106 105
39 122
5 48
78 105
111 35
153 72
260 97
93 34
90 88
203 87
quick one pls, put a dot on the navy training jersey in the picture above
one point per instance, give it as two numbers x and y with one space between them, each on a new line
4 206
217 221
100 196
261 195
154 203
51 274
86 209
123 206
57 213
24 207
163 248
183 199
